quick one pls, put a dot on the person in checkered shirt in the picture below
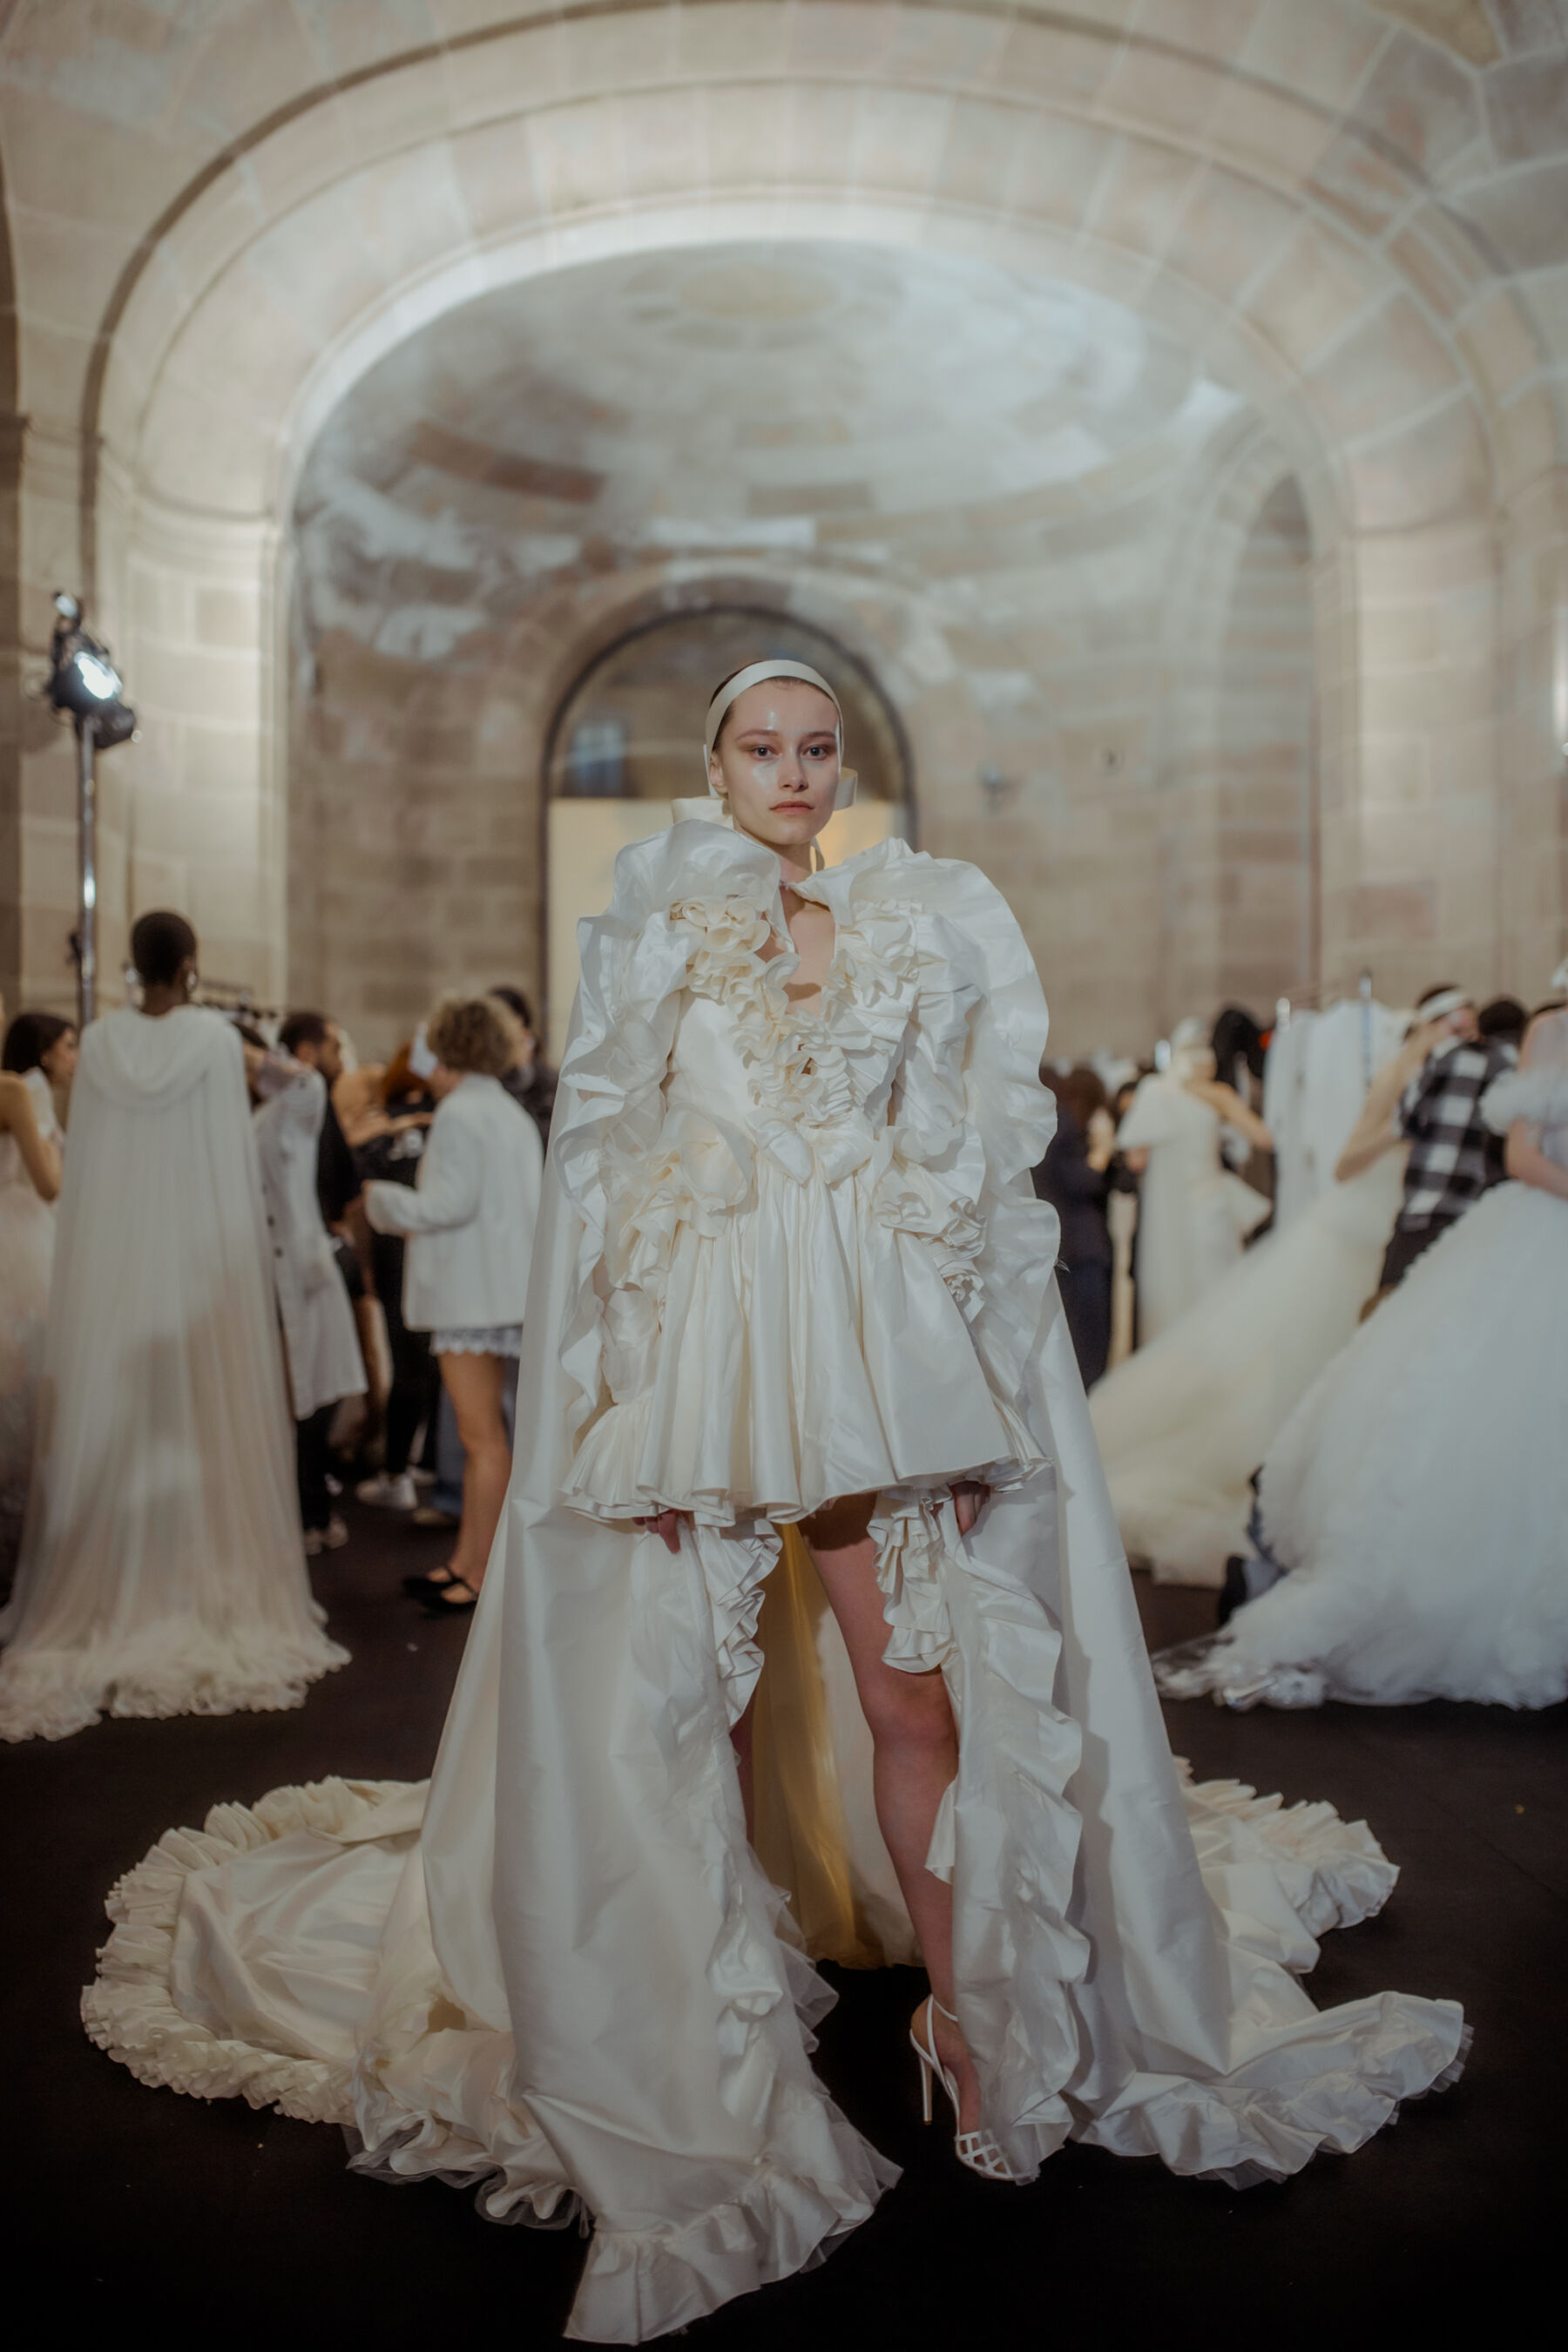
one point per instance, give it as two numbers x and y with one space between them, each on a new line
1453 1156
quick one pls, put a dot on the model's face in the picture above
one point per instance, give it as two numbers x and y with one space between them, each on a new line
58 1064
776 761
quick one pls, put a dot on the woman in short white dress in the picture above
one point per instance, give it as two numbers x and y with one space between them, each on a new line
791 1327
470 1220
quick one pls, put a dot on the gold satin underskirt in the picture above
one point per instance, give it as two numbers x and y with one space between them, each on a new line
800 1834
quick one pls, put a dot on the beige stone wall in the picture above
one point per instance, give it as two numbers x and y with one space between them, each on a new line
1354 214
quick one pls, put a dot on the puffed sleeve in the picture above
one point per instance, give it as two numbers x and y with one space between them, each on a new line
973 1118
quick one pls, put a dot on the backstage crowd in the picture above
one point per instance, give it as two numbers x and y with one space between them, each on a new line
1230 1210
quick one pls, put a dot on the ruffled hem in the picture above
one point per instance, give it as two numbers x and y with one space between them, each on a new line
1332 1873
1391 2050
129 2009
647 2283
168 1669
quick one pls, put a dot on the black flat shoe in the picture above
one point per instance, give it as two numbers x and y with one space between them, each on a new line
429 1580
436 1604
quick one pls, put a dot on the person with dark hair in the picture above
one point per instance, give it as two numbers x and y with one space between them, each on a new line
1453 1156
469 1224
530 1082
320 1345
164 952
161 1570
315 1041
29 1182
1504 1020
42 1041
388 1142
1075 1178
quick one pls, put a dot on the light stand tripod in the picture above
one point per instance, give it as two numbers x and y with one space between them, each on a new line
84 682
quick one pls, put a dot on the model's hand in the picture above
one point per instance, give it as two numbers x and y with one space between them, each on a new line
968 1496
666 1525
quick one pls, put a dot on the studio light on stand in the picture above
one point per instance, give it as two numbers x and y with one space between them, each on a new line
84 683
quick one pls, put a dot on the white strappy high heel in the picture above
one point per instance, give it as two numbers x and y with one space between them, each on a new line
976 2150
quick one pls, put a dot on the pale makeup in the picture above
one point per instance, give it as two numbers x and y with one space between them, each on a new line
776 765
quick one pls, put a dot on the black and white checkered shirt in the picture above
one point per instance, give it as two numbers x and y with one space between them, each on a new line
1453 1155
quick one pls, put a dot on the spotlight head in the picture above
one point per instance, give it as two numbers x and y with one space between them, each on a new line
84 681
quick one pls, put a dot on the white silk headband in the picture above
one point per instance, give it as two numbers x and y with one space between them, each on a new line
758 674
1437 1008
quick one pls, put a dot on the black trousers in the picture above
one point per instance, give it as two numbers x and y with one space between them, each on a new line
416 1376
312 1461
1086 1300
1406 1246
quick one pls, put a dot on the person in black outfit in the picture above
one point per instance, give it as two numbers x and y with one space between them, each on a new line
392 1149
530 1082
1075 1178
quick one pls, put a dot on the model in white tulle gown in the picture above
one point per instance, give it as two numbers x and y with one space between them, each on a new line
1418 1497
26 1261
162 1568
1183 1423
1194 1213
782 1254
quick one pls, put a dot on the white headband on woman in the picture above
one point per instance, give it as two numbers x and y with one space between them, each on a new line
1438 1007
758 675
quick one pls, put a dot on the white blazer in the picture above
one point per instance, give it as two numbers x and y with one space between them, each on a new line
470 1217
319 1335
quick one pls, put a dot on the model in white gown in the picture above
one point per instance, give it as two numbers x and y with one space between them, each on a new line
26 1260
162 1569
1418 1497
782 1256
1194 1213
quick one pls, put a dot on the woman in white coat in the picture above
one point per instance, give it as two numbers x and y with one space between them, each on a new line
470 1222
320 1344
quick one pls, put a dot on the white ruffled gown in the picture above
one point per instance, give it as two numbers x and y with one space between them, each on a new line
1419 1494
26 1261
780 1257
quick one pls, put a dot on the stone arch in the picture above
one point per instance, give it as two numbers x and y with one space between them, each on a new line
1289 230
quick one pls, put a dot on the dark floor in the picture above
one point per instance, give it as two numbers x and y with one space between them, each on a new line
137 2209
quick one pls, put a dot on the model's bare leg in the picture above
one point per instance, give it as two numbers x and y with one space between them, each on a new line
474 1385
915 1756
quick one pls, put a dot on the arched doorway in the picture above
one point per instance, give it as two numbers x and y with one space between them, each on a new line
625 745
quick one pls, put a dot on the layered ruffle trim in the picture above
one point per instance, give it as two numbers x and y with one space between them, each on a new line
923 946
129 2009
647 2283
1332 1873
1017 1956
167 1669
1323 2080
1329 2085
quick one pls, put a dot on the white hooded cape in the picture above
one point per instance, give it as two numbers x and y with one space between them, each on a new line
162 1571
561 1974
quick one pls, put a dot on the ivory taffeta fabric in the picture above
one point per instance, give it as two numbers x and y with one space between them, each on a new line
781 1256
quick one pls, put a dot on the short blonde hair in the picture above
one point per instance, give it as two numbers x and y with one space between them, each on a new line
474 1033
